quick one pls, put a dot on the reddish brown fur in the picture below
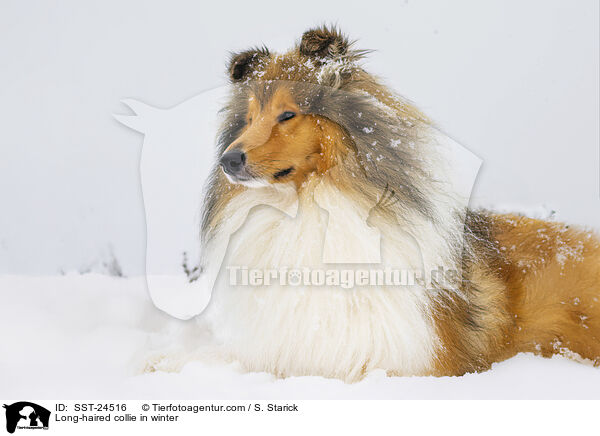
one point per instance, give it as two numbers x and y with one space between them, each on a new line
534 288
306 143
554 277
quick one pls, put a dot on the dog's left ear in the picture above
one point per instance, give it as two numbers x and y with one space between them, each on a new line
242 64
324 42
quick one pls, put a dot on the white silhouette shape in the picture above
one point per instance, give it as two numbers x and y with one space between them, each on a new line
25 414
177 156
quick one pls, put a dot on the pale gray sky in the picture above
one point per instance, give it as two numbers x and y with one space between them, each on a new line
515 82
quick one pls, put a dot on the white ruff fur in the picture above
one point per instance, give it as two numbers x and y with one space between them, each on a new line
327 331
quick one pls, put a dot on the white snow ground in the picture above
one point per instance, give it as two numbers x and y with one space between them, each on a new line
87 336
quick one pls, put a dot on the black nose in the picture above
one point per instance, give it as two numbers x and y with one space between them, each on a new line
233 161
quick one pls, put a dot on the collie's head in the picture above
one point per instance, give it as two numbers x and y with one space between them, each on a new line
279 142
314 113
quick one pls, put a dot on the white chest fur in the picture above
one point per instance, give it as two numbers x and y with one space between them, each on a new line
318 330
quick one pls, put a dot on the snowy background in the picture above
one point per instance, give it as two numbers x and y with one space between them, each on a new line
515 82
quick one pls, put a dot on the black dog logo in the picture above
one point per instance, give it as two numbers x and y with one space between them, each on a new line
33 416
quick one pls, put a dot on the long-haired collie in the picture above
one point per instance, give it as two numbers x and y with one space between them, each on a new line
313 150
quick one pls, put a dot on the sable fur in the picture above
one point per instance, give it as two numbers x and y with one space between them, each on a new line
241 64
323 42
524 285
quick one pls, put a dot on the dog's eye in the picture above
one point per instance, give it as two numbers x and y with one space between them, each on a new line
287 115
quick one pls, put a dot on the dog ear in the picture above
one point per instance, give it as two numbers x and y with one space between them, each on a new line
241 64
324 42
